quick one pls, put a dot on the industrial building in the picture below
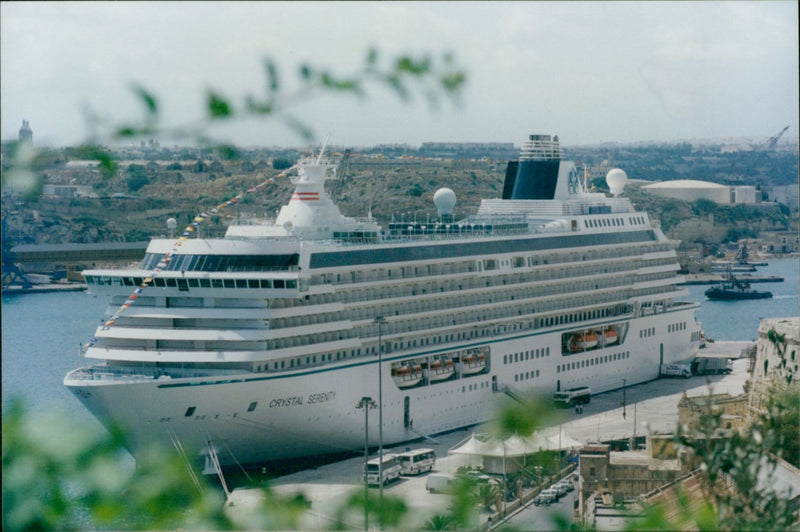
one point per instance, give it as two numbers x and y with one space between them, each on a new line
693 190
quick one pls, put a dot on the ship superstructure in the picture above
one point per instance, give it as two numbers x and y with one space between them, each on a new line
259 345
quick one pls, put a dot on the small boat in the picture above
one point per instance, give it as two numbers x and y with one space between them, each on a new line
441 370
583 341
472 364
610 337
406 376
733 289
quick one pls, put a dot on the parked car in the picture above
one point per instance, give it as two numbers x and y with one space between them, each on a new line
542 500
546 497
566 484
552 493
560 488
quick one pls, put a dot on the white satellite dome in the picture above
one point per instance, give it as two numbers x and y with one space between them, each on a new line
172 223
616 179
445 200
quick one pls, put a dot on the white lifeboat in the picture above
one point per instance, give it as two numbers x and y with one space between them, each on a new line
583 341
473 363
610 337
440 370
406 376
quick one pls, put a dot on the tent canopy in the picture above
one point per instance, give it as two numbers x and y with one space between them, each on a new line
516 445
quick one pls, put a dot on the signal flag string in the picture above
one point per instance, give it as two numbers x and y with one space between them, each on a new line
165 260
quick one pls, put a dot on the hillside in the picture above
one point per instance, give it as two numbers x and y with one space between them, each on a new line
135 202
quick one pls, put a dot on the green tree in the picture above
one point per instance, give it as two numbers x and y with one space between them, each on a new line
280 163
137 177
738 466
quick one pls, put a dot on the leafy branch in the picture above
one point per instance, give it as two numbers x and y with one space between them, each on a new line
403 75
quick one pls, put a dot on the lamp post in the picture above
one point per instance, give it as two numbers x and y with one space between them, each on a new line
624 382
380 321
367 404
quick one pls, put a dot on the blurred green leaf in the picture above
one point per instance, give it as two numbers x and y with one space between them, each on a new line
298 127
372 57
416 68
272 75
150 102
218 107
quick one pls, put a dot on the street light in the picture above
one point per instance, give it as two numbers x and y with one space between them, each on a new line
367 404
624 381
380 321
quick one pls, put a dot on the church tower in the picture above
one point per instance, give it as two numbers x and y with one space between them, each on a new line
26 133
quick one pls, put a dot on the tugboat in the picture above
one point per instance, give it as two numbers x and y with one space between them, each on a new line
732 289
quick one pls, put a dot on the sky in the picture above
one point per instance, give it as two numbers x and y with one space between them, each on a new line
590 72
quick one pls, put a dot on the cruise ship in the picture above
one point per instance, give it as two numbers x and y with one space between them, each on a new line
259 346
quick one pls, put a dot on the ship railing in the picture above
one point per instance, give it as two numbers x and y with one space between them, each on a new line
118 374
109 374
252 221
427 237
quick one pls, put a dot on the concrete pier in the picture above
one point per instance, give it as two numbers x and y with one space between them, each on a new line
653 406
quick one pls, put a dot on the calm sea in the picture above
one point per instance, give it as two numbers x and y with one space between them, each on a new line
42 334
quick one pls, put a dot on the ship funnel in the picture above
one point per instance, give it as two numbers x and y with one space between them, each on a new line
535 175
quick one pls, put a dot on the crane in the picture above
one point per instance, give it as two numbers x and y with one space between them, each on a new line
773 141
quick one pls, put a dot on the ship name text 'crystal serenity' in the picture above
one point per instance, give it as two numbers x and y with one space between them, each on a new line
258 346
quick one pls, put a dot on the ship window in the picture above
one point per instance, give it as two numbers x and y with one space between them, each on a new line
279 283
253 283
229 283
252 406
159 282
194 283
241 283
266 283
190 411
216 283
537 372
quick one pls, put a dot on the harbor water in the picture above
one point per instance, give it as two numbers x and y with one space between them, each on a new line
42 334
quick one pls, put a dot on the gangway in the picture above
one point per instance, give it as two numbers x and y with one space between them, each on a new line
514 394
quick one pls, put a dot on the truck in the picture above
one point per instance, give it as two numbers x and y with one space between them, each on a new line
711 366
676 370
574 396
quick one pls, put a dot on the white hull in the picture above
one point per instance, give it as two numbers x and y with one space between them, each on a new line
305 413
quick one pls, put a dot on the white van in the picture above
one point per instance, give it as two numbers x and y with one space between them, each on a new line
391 470
439 483
414 462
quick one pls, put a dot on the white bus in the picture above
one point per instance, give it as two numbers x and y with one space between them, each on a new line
391 469
417 461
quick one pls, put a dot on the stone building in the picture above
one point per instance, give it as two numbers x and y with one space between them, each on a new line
626 475
733 411
777 358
